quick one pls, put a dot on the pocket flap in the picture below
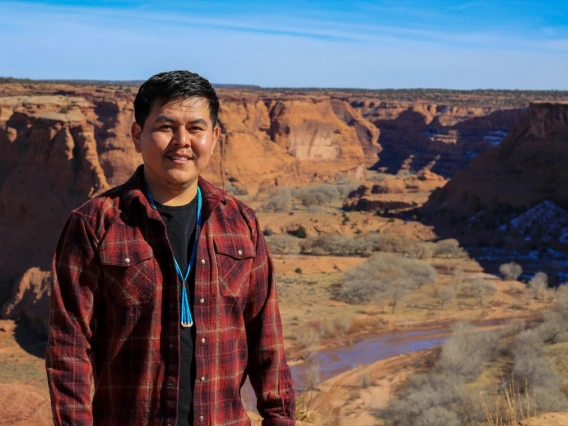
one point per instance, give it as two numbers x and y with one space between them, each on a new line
235 247
123 255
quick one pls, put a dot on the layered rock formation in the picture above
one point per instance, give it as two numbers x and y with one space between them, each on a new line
528 167
441 138
392 195
61 144
50 166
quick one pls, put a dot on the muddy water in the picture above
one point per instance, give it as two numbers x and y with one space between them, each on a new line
331 362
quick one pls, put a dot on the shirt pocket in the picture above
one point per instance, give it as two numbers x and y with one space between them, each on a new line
234 261
129 275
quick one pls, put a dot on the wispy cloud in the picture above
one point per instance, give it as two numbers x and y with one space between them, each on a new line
297 43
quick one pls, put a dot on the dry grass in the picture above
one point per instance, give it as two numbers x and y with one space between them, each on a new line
511 405
305 410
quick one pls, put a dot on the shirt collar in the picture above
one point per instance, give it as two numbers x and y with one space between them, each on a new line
135 189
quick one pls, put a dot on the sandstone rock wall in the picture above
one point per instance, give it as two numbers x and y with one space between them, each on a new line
441 138
61 144
528 167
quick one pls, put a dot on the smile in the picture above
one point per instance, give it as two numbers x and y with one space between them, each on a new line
178 158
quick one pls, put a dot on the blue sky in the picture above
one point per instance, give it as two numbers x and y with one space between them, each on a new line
503 44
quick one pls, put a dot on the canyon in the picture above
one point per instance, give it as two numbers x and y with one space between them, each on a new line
458 152
63 143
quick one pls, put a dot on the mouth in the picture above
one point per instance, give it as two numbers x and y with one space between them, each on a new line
179 159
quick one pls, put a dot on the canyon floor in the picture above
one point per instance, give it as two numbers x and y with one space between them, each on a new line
312 321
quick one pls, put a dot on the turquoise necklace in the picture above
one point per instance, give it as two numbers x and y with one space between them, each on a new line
186 318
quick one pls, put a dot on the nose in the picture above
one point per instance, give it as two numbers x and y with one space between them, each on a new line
182 137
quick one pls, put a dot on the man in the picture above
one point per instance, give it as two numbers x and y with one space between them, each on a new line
163 287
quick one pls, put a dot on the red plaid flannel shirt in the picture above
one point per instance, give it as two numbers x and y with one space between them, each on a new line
115 316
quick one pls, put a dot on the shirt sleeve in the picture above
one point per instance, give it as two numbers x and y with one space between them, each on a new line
74 295
268 371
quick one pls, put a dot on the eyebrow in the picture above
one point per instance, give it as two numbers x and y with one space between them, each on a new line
163 117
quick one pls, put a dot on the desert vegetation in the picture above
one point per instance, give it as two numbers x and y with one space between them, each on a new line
385 278
366 244
484 376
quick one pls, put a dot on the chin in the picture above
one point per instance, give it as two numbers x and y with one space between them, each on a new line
181 179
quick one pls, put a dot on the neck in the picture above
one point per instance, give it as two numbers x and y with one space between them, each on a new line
168 196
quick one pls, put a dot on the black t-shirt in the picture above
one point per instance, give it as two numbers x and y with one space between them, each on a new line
181 224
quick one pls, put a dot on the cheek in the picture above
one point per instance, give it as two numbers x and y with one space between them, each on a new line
202 145
155 143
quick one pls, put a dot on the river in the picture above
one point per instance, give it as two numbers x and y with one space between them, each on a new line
334 361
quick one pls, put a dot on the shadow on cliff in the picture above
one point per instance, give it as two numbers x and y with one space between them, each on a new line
410 142
479 235
30 341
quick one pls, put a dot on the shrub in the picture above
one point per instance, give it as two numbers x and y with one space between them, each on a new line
449 249
466 351
538 285
279 202
298 270
283 244
384 277
318 195
234 189
445 295
481 290
337 245
511 271
301 232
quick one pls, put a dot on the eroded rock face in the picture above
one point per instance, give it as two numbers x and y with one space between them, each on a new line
30 300
388 196
289 139
53 167
527 168
62 144
441 138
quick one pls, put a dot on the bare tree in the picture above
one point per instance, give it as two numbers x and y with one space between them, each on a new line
449 249
278 202
444 295
457 280
283 244
538 285
511 271
480 290
385 277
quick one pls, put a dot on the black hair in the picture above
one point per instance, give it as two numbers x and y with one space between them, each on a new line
172 85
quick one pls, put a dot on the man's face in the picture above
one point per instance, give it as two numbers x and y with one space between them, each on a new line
176 142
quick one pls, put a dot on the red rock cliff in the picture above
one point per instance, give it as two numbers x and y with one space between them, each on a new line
527 168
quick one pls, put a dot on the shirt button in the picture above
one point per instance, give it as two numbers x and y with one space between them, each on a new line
171 305
127 260
240 252
203 261
202 378
201 418
203 340
171 345
202 300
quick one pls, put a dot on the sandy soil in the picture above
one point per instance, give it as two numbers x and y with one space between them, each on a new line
351 397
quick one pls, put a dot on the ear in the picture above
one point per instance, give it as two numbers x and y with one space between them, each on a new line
136 133
216 133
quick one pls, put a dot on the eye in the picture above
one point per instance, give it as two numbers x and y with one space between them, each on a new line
166 127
